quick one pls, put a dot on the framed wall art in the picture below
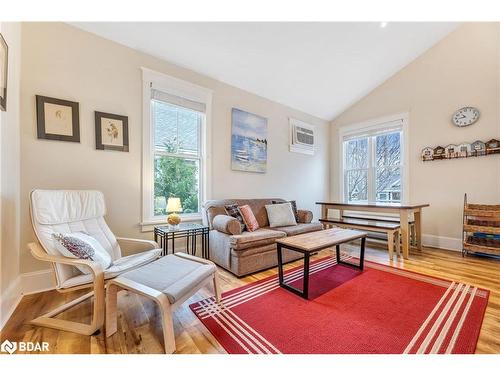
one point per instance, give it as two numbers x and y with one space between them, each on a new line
111 132
4 62
248 142
57 119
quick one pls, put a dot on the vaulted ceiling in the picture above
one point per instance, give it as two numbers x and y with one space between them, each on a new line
318 68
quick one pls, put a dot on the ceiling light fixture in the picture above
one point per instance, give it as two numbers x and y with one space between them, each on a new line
383 24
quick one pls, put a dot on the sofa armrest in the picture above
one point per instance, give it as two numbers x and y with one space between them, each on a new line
305 216
133 245
226 224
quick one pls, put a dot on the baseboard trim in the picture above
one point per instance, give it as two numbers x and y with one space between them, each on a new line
37 281
10 299
446 243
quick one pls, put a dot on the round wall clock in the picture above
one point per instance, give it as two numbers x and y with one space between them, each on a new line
465 116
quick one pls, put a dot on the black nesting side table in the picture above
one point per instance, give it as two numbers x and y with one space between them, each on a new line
166 233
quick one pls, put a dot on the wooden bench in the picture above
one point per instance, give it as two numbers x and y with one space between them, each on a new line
388 227
411 224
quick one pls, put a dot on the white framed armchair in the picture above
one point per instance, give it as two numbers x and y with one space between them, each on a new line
69 211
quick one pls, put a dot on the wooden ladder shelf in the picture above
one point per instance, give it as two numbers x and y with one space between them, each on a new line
481 228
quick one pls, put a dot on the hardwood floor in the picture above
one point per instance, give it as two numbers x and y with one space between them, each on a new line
139 326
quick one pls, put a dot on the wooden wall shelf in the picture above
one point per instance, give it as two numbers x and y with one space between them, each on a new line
461 151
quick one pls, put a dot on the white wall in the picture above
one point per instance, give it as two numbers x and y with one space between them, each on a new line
463 69
10 177
68 63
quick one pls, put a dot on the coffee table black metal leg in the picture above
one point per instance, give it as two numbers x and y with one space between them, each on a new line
362 254
305 288
304 293
280 265
337 250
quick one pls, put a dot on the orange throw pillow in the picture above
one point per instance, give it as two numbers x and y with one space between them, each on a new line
248 218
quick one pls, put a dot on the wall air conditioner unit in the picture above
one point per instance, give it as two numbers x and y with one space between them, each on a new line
301 137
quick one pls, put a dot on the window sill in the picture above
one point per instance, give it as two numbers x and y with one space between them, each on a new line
148 225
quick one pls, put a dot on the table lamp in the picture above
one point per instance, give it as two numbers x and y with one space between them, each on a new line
173 207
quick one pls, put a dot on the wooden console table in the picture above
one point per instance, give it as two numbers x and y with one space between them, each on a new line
403 210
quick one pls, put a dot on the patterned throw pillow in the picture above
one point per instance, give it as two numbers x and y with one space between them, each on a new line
294 208
249 218
232 210
81 245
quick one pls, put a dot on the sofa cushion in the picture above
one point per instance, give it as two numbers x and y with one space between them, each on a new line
260 237
294 208
300 228
280 215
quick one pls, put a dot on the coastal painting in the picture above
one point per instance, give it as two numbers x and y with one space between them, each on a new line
248 142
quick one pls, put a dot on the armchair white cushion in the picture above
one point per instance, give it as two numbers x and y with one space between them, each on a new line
69 211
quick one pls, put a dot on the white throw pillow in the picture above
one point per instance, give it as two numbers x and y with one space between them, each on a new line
280 215
81 245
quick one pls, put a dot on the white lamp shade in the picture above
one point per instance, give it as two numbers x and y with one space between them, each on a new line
174 205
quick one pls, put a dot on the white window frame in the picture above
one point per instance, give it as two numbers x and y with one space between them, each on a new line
372 126
187 90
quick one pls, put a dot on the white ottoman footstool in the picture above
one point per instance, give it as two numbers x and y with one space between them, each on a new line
169 281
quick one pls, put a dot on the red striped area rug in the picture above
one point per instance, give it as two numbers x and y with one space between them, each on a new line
379 310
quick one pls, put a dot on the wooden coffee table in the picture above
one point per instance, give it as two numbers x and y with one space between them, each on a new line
309 243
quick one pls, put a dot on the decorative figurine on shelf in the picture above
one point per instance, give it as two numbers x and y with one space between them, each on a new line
493 147
438 153
173 208
451 151
427 153
478 148
465 150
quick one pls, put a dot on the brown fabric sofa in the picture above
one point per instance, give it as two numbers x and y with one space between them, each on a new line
249 252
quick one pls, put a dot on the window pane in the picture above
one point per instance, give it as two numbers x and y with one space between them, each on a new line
176 128
356 185
356 153
188 132
388 149
176 177
388 184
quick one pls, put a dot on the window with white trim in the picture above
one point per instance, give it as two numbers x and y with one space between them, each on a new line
175 140
177 153
373 163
